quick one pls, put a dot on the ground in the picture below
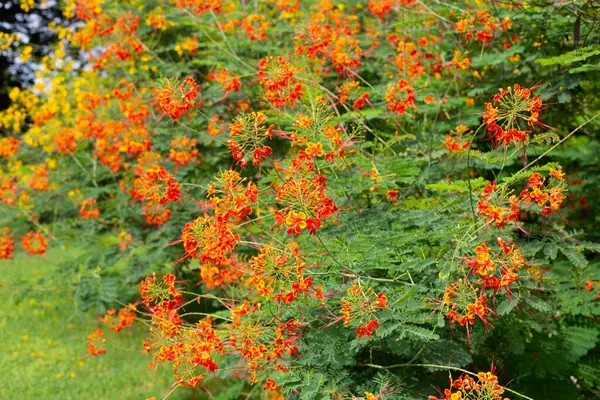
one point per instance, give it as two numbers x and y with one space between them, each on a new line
42 334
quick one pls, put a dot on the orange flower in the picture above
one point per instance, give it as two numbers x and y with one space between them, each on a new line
296 222
464 303
175 100
96 342
400 96
34 243
9 146
88 209
512 108
157 185
454 141
466 387
392 195
278 78
380 8
65 141
39 178
183 150
120 321
210 239
7 245
361 305
156 292
247 133
255 26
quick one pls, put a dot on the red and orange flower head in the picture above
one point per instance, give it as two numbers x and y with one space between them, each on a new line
277 274
88 209
361 305
8 190
158 186
176 99
96 341
400 96
255 26
34 243
467 387
65 142
511 115
226 81
210 239
39 178
380 8
156 213
156 292
455 141
547 194
183 150
345 55
9 146
119 321
496 269
247 133
200 6
464 304
7 244
306 203
231 196
497 207
278 78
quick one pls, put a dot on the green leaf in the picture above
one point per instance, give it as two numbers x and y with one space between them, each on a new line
574 256
456 186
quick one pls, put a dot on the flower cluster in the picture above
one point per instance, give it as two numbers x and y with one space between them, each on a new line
95 344
262 346
496 270
247 133
183 150
306 203
176 99
509 115
88 209
278 78
9 146
119 321
485 387
278 274
157 187
34 243
464 303
400 96
7 244
361 304
455 141
493 208
549 196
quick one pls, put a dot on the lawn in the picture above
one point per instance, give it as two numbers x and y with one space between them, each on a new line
43 340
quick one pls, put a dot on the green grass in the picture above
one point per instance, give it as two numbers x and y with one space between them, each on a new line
43 351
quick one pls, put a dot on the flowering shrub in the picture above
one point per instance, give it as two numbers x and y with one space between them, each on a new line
312 198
